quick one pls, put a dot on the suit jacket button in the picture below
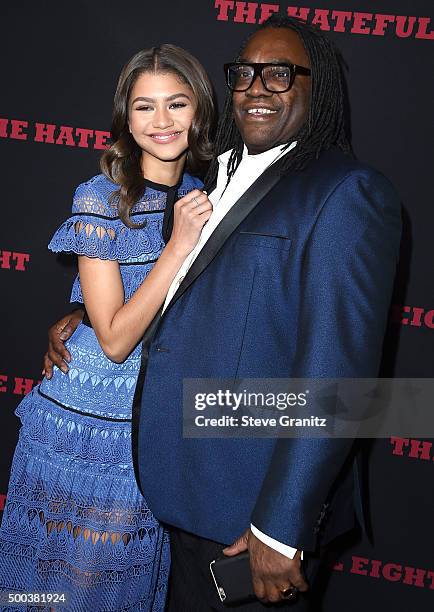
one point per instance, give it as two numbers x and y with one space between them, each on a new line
162 349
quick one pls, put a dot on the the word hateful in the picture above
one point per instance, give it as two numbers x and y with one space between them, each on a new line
352 22
49 133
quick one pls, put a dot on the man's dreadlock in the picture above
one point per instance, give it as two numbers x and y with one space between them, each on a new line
326 123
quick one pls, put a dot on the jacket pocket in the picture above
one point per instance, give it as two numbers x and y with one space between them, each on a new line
270 241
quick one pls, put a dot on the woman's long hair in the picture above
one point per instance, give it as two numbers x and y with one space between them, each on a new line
121 163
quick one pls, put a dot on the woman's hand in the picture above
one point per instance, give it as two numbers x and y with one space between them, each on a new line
190 215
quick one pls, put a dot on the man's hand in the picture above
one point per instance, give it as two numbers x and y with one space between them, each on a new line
272 572
57 354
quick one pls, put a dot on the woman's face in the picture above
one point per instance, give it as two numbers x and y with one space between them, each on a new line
161 109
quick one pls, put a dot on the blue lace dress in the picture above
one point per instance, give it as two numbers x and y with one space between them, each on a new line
74 520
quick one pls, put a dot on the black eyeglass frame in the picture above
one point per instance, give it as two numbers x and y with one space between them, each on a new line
258 68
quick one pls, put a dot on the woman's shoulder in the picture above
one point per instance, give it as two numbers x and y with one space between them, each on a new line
94 197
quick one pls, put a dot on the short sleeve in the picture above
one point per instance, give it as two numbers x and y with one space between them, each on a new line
95 230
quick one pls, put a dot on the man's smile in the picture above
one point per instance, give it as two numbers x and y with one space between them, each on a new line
259 111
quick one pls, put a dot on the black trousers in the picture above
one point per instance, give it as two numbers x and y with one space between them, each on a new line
191 587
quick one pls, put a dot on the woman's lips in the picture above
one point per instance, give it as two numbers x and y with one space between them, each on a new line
165 138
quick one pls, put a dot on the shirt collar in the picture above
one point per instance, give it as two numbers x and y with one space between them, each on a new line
261 159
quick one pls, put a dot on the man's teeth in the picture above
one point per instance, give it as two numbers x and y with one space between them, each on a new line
260 111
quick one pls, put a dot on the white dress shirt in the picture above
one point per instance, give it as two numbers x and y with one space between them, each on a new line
250 168
223 198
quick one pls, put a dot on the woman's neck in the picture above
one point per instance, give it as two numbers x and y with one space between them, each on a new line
163 172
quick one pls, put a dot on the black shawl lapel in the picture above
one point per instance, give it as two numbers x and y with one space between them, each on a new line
239 211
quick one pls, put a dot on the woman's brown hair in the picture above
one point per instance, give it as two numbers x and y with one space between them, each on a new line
121 162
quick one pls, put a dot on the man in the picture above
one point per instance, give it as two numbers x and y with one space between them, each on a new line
292 277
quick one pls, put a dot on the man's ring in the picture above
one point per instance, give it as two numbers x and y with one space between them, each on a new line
197 203
289 593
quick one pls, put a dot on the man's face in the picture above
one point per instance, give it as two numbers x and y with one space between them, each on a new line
261 132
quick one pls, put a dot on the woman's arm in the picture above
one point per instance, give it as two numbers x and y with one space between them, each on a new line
119 326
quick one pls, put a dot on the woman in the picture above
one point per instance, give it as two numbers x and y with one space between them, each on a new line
75 522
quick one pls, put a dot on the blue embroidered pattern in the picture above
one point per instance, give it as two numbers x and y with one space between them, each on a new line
74 520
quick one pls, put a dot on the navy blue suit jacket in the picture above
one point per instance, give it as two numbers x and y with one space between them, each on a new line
295 282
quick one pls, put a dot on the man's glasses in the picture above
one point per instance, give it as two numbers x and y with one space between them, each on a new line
275 78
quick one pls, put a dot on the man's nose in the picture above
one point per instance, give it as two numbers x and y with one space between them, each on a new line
257 88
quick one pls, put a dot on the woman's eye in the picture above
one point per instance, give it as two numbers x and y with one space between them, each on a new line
178 105
143 108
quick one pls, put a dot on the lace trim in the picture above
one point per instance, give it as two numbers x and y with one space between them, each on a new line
94 196
93 535
140 586
94 384
82 412
78 436
106 239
